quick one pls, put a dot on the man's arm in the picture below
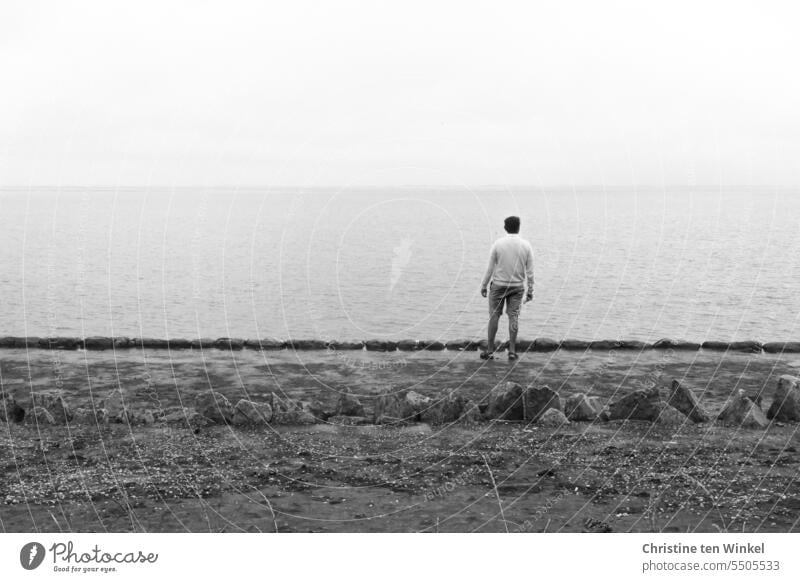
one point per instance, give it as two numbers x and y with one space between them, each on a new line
529 273
489 270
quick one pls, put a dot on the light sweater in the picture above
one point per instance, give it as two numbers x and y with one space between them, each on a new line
510 262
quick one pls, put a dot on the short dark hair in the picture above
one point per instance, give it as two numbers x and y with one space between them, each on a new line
512 224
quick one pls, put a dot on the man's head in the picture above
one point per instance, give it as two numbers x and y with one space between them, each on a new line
512 224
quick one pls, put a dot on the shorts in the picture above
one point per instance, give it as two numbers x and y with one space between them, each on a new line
511 296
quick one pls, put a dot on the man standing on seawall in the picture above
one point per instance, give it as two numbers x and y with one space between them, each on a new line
510 265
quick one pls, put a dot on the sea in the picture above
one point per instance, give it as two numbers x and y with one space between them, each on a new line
717 263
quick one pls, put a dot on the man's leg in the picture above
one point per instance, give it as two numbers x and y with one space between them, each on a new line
513 306
494 320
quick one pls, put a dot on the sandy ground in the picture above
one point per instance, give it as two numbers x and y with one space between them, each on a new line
489 476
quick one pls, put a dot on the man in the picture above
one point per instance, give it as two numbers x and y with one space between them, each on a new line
510 265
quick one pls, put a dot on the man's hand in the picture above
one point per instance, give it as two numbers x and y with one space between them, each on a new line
529 295
483 291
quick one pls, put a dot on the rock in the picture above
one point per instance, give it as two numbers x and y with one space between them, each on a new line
605 345
552 417
317 408
683 399
785 405
380 346
203 343
782 347
150 343
445 410
186 417
342 345
635 345
401 405
147 417
349 420
229 344
264 344
349 405
505 402
431 345
574 345
39 415
293 416
537 400
670 416
10 411
670 344
25 342
472 412
579 407
739 346
742 412
249 413
214 406
643 404
98 343
122 343
282 404
89 416
7 341
179 344
306 344
115 407
457 345
55 404
545 344
60 343
408 345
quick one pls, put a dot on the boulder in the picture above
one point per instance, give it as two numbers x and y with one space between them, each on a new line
605 345
229 343
574 345
445 410
25 342
683 399
635 345
380 346
10 411
742 412
349 405
39 415
431 345
643 404
98 343
416 403
545 344
306 344
408 345
115 408
122 343
179 344
402 405
60 343
738 346
203 343
579 407
552 417
317 408
7 341
55 404
182 416
249 413
296 416
785 405
343 345
150 343
472 412
89 416
214 406
782 347
264 344
505 402
457 345
670 416
671 344
537 400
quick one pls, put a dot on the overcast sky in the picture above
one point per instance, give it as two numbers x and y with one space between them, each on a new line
358 93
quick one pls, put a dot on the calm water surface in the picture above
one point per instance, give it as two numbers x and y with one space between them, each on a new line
396 263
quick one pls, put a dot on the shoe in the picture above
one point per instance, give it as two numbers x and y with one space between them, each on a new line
512 355
487 355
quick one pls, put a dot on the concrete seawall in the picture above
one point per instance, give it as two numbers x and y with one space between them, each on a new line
99 343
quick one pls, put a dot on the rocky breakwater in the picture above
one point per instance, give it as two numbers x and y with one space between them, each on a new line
673 405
